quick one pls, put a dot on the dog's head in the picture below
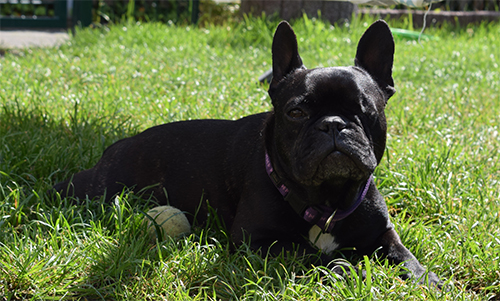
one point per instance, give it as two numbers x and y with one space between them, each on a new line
329 123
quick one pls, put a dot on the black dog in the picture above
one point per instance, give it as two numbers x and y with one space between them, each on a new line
301 172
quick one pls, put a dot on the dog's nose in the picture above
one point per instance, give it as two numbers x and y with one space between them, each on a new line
331 124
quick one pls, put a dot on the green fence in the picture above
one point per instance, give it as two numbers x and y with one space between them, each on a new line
33 13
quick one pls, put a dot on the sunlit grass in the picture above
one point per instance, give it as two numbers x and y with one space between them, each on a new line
61 107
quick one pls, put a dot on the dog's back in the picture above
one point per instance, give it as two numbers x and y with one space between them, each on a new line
175 163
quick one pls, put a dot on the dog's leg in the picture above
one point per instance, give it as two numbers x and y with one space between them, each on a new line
397 253
309 255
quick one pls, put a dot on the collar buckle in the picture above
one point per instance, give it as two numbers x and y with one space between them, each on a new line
328 223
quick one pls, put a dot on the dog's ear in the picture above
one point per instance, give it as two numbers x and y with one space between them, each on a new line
375 54
286 56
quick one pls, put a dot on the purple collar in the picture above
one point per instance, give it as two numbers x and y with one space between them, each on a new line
320 215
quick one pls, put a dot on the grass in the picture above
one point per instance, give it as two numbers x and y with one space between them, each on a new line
60 107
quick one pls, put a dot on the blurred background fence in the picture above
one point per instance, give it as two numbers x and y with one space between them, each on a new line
68 13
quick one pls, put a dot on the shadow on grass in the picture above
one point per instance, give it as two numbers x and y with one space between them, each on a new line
37 151
127 262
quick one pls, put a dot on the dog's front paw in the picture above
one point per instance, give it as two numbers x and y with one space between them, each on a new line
422 277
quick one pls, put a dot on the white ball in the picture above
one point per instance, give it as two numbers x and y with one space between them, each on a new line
170 220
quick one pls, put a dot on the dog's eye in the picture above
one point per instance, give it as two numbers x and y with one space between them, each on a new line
297 113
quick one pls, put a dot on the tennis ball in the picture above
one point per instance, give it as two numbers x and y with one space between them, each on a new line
169 220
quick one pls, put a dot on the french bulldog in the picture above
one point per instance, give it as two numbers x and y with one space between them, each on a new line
285 180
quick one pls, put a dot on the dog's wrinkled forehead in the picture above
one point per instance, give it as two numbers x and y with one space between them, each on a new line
339 86
333 80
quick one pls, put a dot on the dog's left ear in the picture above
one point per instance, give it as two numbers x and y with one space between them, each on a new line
375 54
286 56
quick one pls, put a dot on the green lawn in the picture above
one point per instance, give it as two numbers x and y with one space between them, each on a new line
60 108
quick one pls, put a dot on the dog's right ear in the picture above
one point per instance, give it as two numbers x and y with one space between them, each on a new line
286 56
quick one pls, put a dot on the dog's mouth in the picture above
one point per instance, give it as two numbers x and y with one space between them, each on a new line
335 165
338 163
